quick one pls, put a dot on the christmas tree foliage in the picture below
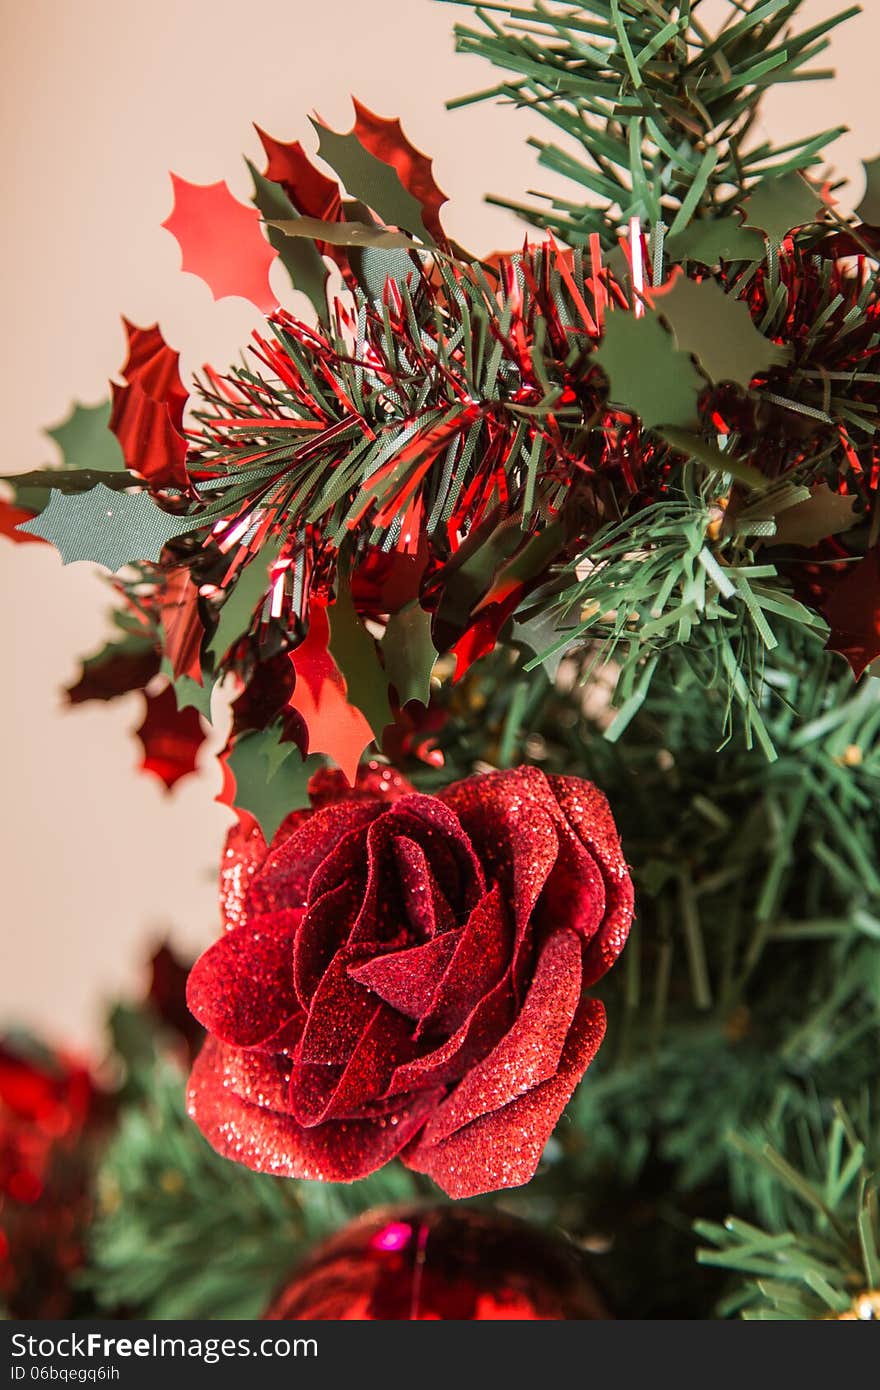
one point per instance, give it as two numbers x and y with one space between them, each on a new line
479 537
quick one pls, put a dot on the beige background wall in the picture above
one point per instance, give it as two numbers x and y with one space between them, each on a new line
99 99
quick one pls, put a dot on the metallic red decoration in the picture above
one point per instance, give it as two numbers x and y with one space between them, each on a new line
312 193
171 737
147 415
222 242
406 1264
182 625
47 1105
149 442
11 517
334 726
156 368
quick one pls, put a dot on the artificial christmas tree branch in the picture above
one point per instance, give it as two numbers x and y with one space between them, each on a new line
657 110
479 537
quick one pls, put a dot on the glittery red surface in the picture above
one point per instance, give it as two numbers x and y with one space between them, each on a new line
404 974
439 1264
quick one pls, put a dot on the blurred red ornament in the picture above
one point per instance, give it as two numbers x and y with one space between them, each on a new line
853 610
440 1264
166 997
171 737
48 1108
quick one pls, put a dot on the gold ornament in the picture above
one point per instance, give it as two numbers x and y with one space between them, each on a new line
865 1307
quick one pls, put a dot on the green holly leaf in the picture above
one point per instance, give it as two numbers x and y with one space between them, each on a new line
69 480
85 440
371 180
188 692
824 513
374 266
780 204
267 785
297 251
718 330
241 599
711 241
109 528
355 653
696 448
409 654
540 634
341 233
118 668
647 373
91 455
869 208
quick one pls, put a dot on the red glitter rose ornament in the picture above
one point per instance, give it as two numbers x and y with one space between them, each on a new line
404 975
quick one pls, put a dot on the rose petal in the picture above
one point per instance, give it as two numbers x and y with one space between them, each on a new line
291 823
341 1010
325 927
481 954
284 878
346 863
269 1142
243 854
424 902
427 822
241 988
408 980
511 819
319 1093
258 1078
529 1053
490 809
285 1042
587 811
574 893
477 1035
503 1148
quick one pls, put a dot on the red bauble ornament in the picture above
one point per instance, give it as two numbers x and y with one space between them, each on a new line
440 1264
48 1114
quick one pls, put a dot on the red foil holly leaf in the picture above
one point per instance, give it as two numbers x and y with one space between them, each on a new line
12 517
182 625
147 415
171 737
853 611
334 726
156 368
150 443
386 581
222 242
384 138
312 193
